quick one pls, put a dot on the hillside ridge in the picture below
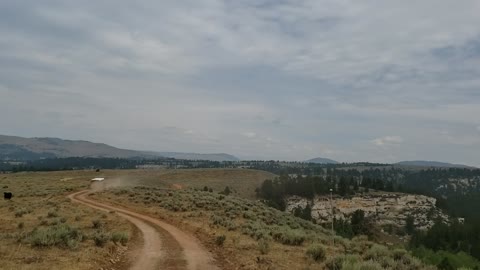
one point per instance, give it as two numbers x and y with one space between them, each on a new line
21 148
427 163
321 160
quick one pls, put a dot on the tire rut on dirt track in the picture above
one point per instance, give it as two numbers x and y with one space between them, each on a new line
164 247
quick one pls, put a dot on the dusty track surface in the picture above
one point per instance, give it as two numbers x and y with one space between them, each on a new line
164 246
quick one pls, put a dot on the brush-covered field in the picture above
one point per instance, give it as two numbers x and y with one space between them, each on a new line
242 182
42 229
246 234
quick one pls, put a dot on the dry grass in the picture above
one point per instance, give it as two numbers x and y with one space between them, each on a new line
41 229
245 234
242 182
32 233
242 233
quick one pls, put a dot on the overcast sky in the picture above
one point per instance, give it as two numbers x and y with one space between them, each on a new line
378 81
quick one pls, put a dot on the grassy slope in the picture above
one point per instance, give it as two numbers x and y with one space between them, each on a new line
39 193
242 182
256 236
39 202
250 227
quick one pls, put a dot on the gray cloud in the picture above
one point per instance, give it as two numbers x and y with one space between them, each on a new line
307 78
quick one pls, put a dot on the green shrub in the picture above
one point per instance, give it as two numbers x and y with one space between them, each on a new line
256 230
248 215
97 224
386 262
263 246
350 260
428 256
316 252
52 214
217 220
334 263
120 237
366 265
54 222
220 239
230 225
101 238
21 212
398 254
290 237
369 265
59 235
376 252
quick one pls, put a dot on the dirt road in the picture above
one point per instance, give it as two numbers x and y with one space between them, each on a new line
164 246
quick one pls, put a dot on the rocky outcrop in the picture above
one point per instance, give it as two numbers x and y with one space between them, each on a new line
384 208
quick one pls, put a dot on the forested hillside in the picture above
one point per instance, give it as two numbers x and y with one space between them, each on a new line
456 191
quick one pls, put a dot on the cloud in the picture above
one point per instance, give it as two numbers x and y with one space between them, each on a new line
250 134
387 140
455 137
228 75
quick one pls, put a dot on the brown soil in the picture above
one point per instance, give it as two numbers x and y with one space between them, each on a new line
164 246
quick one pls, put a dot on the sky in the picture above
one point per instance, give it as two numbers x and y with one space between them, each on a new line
379 81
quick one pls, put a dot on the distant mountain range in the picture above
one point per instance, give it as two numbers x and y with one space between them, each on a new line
24 149
19 148
196 156
322 161
413 163
436 164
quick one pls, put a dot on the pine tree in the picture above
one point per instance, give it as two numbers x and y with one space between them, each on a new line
307 212
445 265
410 225
343 187
355 186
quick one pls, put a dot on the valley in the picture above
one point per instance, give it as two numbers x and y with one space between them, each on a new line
240 135
223 209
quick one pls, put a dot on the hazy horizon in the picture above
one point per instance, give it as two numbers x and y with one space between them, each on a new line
246 159
284 80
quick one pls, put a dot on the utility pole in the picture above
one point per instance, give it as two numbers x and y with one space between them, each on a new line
333 216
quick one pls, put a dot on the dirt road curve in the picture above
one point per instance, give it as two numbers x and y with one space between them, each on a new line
164 246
